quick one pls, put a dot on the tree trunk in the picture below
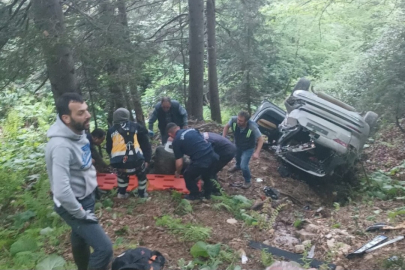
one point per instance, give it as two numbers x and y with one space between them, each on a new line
48 17
247 82
183 57
135 98
196 66
212 63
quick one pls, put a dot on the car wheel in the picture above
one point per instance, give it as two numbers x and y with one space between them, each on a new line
371 119
302 84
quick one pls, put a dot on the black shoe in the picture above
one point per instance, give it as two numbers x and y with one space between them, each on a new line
216 193
207 196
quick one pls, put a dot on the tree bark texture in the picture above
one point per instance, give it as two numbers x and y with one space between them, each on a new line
212 63
48 17
196 59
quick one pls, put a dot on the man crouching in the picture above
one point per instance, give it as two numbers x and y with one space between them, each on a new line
190 142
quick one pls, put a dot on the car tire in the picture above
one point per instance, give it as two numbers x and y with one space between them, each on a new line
302 84
371 119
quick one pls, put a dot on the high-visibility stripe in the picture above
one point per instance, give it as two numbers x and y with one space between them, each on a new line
248 133
234 126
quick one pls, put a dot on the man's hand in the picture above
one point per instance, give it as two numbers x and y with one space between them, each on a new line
146 165
256 155
93 161
170 139
177 174
88 216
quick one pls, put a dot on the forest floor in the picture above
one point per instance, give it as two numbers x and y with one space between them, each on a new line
330 213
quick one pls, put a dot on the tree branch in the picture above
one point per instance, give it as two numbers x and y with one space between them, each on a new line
15 13
42 84
166 24
89 19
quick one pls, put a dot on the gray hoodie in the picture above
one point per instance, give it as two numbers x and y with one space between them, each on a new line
69 166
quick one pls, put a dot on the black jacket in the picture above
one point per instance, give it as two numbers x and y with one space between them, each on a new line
177 114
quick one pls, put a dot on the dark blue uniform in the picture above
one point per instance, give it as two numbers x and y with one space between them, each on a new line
190 142
223 147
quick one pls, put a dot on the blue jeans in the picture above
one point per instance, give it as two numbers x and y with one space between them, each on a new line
242 162
85 235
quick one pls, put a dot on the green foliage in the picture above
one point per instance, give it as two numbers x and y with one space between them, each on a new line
187 231
394 262
212 255
298 223
184 207
10 182
23 244
233 204
51 262
396 212
201 249
266 258
382 186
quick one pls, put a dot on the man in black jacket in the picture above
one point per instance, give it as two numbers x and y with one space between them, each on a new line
130 151
167 111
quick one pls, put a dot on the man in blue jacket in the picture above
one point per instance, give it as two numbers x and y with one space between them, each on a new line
190 142
73 182
167 111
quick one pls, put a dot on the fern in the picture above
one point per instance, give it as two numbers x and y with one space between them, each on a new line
187 232
275 214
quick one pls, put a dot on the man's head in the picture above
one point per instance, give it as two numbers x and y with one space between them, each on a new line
243 118
73 112
171 129
121 115
166 103
98 136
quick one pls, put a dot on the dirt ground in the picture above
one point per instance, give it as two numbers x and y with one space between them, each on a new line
334 229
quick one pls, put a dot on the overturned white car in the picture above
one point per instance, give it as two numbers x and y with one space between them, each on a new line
318 134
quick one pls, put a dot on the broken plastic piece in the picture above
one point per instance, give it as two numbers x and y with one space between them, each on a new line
288 255
396 239
376 241
243 256
376 227
258 180
311 253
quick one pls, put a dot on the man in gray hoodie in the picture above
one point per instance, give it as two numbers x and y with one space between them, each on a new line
73 182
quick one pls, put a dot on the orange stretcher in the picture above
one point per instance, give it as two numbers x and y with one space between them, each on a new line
108 181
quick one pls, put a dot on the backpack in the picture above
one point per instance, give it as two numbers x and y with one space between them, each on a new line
139 259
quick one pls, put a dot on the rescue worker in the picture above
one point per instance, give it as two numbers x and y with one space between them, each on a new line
130 152
246 134
190 142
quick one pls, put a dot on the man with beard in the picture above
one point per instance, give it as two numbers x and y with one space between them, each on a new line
73 182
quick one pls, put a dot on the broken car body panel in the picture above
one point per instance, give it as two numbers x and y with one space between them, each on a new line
318 133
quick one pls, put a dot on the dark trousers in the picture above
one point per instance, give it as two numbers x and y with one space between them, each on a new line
191 176
220 164
85 235
164 136
123 179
